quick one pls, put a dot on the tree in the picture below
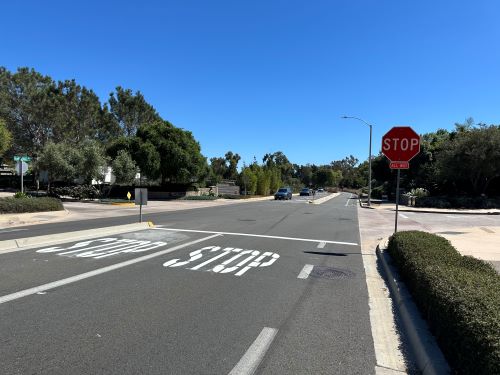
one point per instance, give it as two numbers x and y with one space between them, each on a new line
249 180
180 155
232 165
60 161
5 138
470 159
92 162
147 158
27 103
131 110
218 169
124 168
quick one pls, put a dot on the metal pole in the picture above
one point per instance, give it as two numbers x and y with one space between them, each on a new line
369 157
140 197
22 178
370 171
397 203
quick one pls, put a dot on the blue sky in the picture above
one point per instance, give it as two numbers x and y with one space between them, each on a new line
262 76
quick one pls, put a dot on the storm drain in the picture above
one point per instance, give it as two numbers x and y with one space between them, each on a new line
331 273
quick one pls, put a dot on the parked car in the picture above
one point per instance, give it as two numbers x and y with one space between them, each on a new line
320 190
306 192
283 193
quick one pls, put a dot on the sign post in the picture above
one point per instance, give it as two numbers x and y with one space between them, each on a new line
21 169
141 197
400 145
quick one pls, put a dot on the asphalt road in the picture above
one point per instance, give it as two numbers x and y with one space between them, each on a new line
274 287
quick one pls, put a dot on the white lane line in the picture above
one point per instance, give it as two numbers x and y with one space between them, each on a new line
347 203
321 245
72 279
404 216
304 274
255 353
11 230
256 235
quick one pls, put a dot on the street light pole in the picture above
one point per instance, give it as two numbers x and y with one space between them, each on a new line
369 156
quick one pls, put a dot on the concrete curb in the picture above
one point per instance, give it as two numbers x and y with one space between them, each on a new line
428 356
447 212
9 246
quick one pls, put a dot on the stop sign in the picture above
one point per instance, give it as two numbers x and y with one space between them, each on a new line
400 144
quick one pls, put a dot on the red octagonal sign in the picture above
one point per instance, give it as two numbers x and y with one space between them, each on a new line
400 144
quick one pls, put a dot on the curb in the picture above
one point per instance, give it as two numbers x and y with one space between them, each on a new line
9 246
429 358
447 212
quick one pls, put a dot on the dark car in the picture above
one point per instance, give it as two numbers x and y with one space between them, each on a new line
306 192
283 193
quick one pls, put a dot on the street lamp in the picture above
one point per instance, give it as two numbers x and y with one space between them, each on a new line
369 156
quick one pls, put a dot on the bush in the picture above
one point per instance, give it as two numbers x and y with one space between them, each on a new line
78 192
20 205
458 202
200 198
458 295
377 192
20 195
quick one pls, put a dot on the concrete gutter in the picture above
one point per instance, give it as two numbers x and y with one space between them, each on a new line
9 246
428 356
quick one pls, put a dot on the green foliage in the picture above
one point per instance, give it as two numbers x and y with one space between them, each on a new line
200 198
20 195
180 155
458 202
131 110
418 192
21 205
124 168
60 161
459 296
78 192
5 138
471 158
92 162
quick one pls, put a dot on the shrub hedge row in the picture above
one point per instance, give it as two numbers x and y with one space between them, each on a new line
459 296
20 205
457 202
200 198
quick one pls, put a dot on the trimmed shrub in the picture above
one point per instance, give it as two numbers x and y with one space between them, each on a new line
21 205
78 192
200 198
457 202
459 296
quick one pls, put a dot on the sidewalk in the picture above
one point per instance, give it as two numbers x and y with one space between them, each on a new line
476 233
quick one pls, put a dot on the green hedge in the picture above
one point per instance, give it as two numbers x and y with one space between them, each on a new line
20 205
200 198
459 296
458 202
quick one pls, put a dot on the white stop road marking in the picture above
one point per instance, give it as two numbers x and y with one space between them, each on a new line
242 260
103 247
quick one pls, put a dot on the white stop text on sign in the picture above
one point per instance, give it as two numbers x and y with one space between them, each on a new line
400 144
229 260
